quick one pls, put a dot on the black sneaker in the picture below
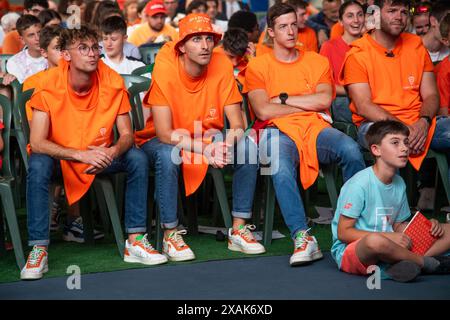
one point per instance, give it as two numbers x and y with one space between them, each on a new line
75 232
403 271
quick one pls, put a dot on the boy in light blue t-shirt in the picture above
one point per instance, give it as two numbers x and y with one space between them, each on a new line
372 210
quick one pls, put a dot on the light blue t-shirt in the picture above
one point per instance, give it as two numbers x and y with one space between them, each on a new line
375 206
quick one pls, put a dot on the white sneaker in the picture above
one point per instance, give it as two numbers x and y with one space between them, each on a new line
141 251
242 240
426 199
176 249
306 249
36 266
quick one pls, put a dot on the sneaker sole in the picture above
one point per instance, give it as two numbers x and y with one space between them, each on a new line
71 238
143 261
33 276
237 248
179 259
305 260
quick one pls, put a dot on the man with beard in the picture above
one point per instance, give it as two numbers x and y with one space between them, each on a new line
389 75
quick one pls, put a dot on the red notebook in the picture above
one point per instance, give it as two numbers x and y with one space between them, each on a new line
418 229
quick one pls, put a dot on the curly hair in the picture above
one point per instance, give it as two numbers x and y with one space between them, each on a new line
70 36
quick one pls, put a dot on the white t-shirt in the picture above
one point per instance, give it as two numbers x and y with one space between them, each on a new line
129 50
22 65
126 66
222 24
439 55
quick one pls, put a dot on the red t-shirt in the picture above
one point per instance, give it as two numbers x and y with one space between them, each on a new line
335 50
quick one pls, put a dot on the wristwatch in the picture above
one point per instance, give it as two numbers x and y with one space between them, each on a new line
283 97
427 118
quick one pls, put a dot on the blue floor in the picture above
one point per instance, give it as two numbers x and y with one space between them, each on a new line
254 278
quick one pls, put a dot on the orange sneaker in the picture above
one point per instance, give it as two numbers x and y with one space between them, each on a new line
36 264
242 240
141 251
175 248
306 249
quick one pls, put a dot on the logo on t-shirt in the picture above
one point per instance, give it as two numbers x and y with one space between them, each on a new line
348 206
212 115
384 218
411 83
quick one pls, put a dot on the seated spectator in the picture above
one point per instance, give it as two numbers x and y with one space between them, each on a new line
155 30
220 26
421 19
83 147
372 210
325 19
130 11
246 20
306 40
114 37
196 6
141 15
337 30
63 6
29 61
173 16
49 18
290 92
442 70
13 43
171 128
351 17
432 39
8 24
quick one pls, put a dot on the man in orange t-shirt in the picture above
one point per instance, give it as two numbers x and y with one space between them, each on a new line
442 70
389 75
290 92
306 40
74 114
193 89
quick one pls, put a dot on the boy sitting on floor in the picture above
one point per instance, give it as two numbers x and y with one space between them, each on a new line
372 210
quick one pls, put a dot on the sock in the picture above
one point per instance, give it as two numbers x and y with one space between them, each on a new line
430 264
403 271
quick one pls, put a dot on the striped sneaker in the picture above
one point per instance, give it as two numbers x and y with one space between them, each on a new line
141 251
36 264
175 248
242 240
306 249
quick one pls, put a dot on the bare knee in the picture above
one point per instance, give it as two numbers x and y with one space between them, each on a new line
376 243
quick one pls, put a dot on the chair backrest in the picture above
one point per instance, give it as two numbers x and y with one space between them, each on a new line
143 70
136 104
20 113
5 104
3 59
149 52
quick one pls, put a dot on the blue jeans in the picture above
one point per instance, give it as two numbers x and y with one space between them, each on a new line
332 146
167 172
41 169
440 141
341 110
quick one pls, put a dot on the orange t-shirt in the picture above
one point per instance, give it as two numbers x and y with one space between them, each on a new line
306 40
394 81
300 77
33 82
442 71
191 100
337 31
141 34
77 122
12 43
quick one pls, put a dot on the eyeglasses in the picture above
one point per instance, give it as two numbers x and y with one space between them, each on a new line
84 49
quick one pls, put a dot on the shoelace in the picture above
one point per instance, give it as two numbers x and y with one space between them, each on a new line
147 244
176 236
300 239
246 232
35 256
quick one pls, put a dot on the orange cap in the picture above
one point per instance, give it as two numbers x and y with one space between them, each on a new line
196 23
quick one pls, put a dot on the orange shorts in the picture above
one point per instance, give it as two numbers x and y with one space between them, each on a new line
350 262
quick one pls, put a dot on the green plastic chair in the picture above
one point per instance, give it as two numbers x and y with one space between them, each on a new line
149 52
3 60
5 186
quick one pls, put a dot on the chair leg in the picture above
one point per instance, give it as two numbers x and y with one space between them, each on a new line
88 223
269 212
219 185
104 187
159 231
328 173
11 218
